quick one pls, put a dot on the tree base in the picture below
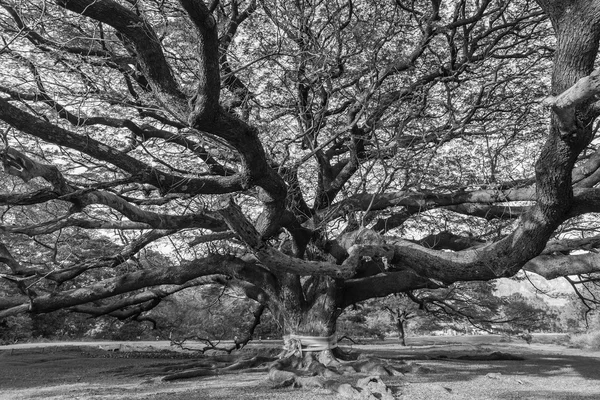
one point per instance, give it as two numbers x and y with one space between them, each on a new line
350 375
328 369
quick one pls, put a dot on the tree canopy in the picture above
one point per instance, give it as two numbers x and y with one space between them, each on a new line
310 155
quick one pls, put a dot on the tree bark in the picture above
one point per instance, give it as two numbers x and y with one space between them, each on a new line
401 332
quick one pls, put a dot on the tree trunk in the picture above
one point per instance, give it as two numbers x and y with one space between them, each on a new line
401 331
308 311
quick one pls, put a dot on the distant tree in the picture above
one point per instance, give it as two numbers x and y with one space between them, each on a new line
15 329
401 309
401 317
211 314
476 305
364 321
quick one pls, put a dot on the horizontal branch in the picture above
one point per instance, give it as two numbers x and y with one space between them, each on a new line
56 224
424 201
116 308
26 168
143 172
206 220
418 270
556 266
383 284
26 199
179 275
211 238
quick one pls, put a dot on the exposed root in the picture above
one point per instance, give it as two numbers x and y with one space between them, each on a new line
495 356
193 373
323 370
327 369
368 388
240 366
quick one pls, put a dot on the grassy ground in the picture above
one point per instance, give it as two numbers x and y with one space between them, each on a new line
549 371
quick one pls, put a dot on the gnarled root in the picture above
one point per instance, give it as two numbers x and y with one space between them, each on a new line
329 369
320 369
368 388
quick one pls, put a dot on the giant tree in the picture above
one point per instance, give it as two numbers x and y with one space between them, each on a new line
311 155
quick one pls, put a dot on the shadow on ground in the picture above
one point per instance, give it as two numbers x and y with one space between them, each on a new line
547 372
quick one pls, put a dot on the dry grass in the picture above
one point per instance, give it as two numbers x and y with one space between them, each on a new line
548 372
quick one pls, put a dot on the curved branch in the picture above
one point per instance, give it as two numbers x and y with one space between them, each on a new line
146 44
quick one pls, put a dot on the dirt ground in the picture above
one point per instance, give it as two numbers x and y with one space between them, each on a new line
91 371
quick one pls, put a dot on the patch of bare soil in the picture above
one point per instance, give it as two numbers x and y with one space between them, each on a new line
438 371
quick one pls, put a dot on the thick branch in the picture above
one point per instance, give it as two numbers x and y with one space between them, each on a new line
556 266
129 282
565 104
117 308
272 259
424 201
54 225
146 44
166 182
18 164
206 100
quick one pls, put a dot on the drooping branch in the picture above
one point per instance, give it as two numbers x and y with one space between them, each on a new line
569 245
449 241
550 265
